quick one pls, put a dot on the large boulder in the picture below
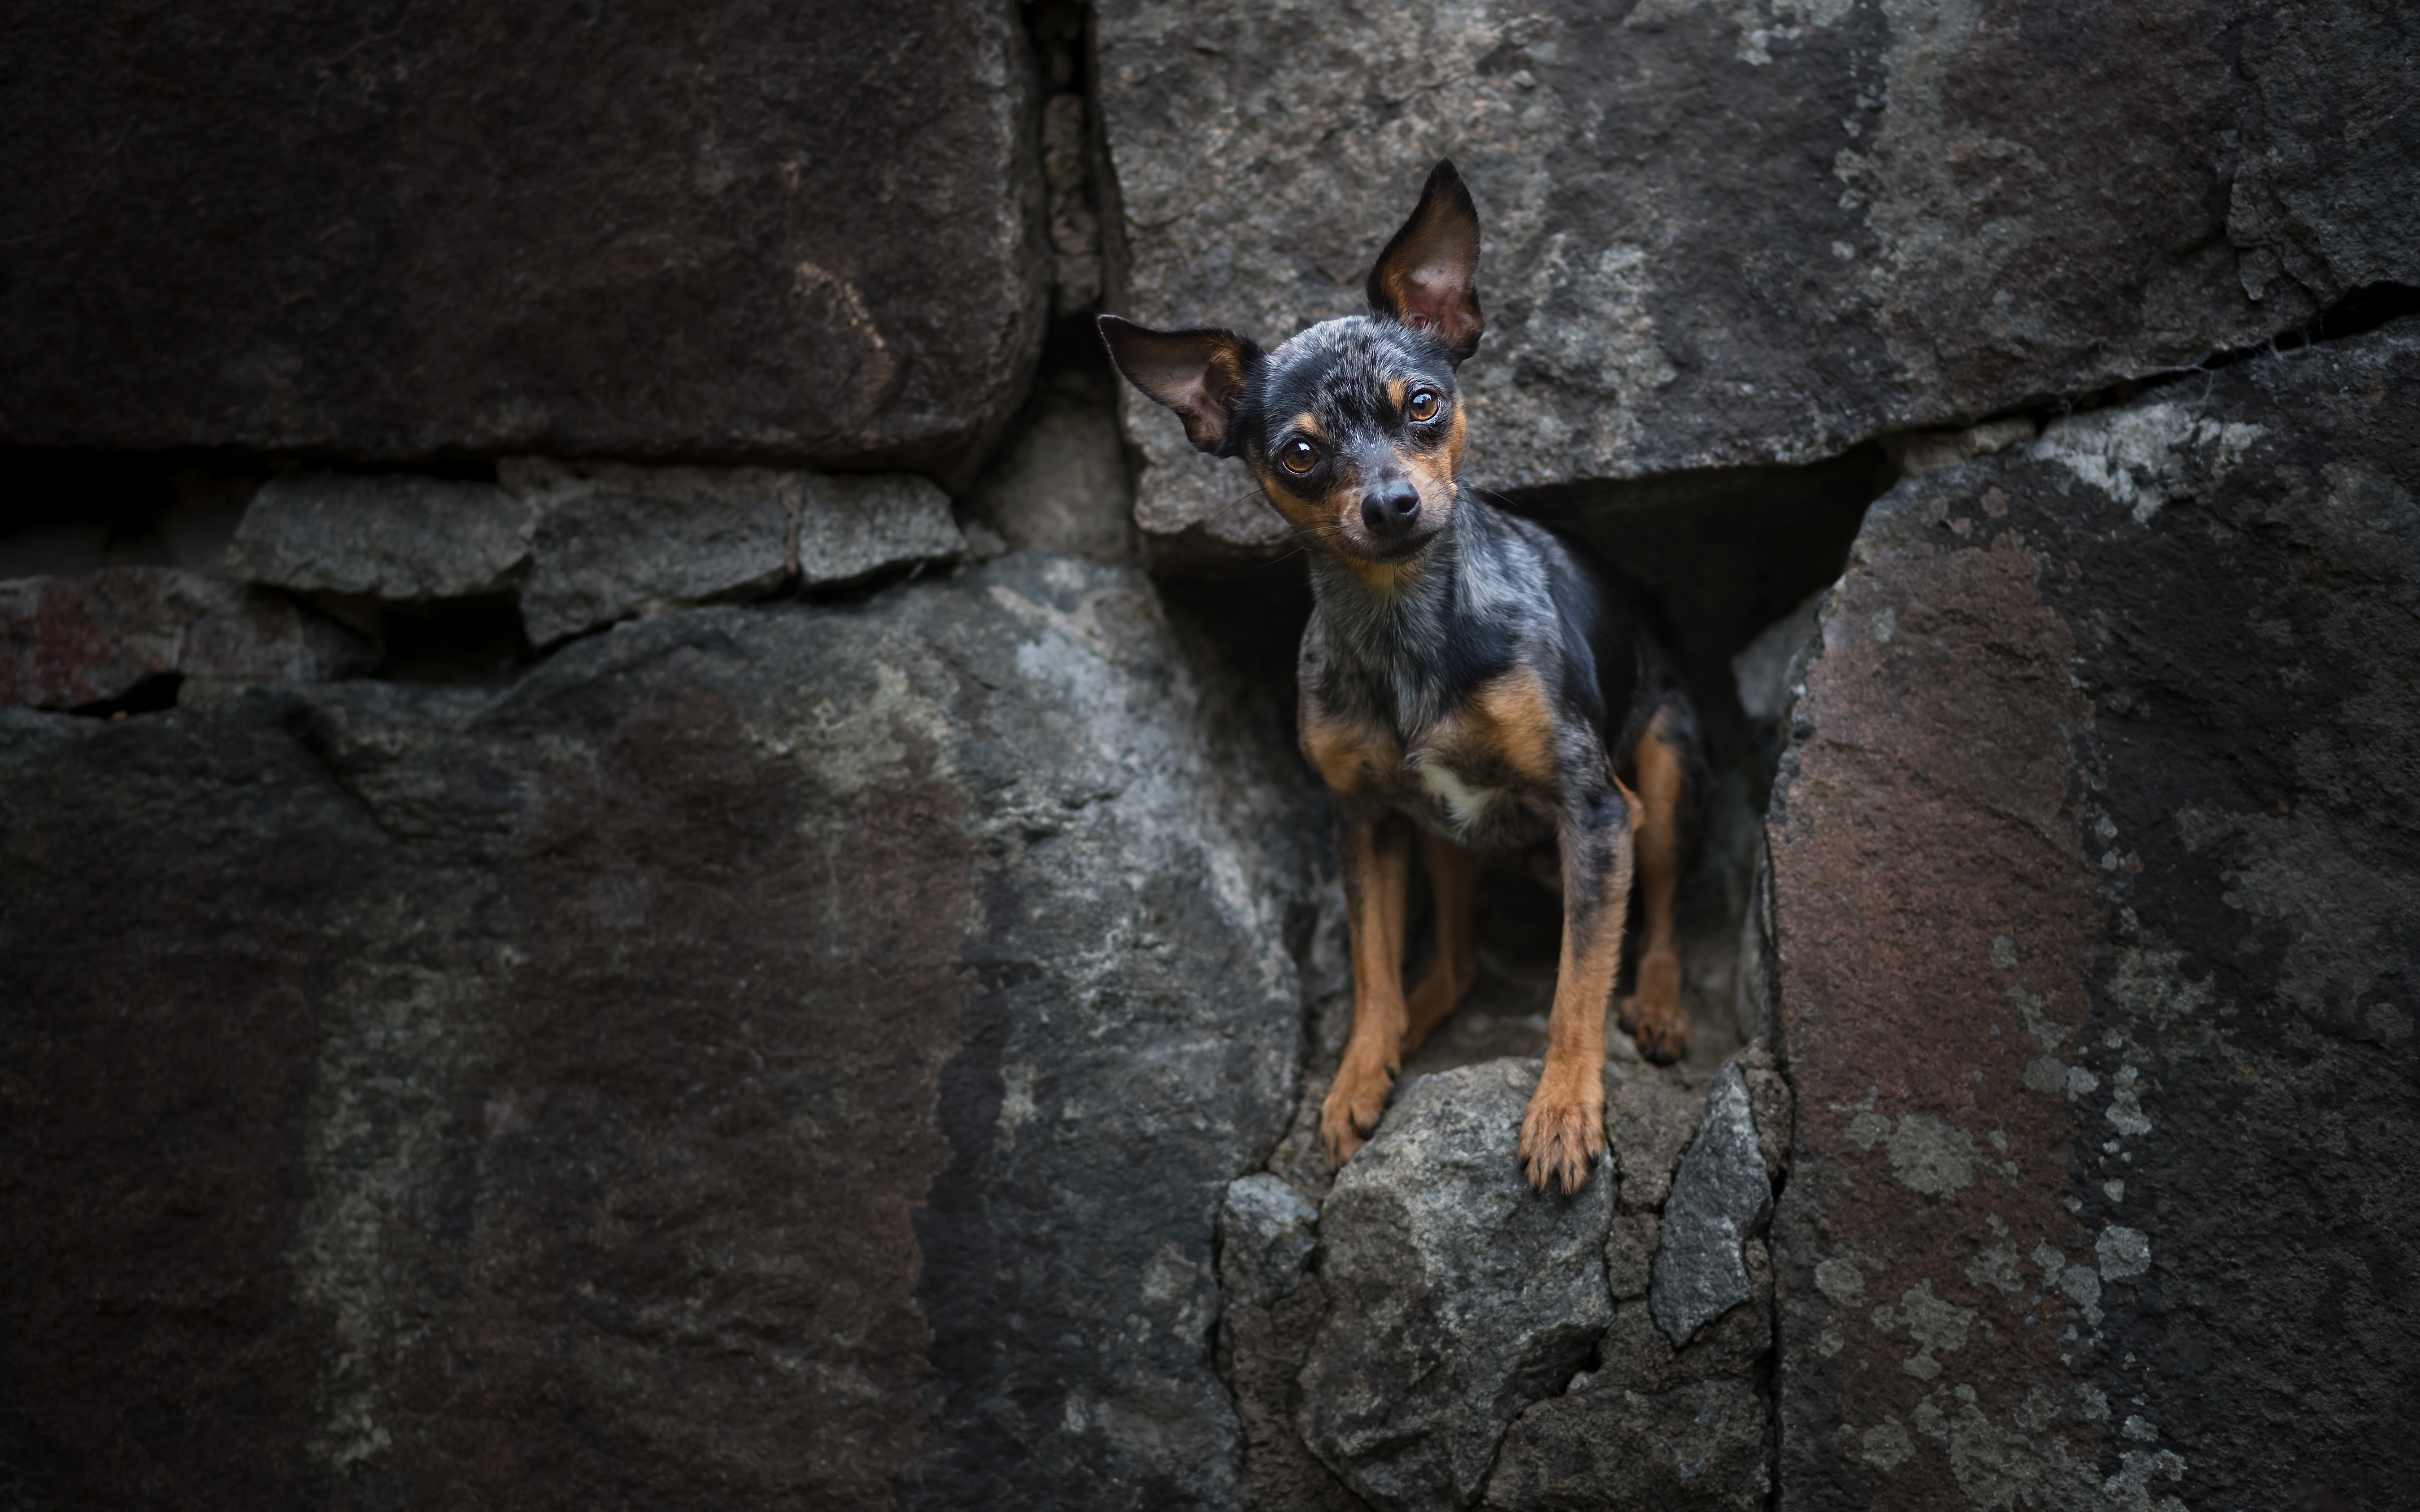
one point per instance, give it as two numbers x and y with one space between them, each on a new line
782 1055
735 230
2093 868
1723 235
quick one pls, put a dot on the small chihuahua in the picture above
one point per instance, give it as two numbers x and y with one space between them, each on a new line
1465 669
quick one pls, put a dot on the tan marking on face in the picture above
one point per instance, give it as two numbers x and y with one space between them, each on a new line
1396 388
1307 423
1515 721
1453 442
1346 756
1305 515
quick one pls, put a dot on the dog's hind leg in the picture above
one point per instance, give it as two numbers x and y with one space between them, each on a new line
1652 1014
1564 1129
1377 863
1453 880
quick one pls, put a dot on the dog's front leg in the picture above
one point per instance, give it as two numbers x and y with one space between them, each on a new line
1375 853
1564 1129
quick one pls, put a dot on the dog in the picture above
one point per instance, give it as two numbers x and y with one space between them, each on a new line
1466 673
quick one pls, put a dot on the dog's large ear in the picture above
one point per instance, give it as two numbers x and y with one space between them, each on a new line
1201 374
1427 276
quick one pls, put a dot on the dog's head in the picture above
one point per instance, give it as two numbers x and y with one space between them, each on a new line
1354 427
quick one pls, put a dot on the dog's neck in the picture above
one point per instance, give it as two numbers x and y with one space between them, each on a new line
1401 632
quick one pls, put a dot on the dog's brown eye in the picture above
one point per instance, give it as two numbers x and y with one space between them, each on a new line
1299 456
1423 405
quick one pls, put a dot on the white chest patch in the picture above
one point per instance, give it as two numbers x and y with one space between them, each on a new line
1468 805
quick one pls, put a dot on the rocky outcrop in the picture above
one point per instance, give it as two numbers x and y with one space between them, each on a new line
2092 872
806 1047
1720 236
733 230
67 641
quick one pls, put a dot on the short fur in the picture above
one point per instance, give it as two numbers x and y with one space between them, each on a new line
1466 673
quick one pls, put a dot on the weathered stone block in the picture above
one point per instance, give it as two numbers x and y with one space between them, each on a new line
735 229
1698 1448
66 642
399 537
1458 1295
760 1055
852 525
1720 1199
1719 236
1651 1123
1062 486
2093 864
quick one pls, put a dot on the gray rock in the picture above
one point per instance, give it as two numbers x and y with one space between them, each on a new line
852 525
66 642
2093 868
399 537
1719 236
612 541
1635 1355
779 234
1062 486
760 1054
1698 1448
1629 1252
1649 1124
1266 1232
1719 1199
1457 1294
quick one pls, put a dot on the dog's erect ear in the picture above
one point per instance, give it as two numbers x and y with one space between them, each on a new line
1427 276
1201 374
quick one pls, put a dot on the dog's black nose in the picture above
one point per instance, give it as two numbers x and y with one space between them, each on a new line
1388 509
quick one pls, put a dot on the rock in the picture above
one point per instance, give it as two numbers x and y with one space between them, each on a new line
1062 484
1770 1100
2090 861
1458 1295
66 642
398 537
1719 236
1701 1447
747 232
1649 1124
1720 1197
1629 1251
1266 1232
612 541
760 1054
851 526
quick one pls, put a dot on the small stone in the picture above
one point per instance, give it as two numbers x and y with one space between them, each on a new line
398 537
614 541
1458 1294
1629 1252
853 525
1649 1124
1062 484
67 641
1266 1232
1720 1195
1699 1448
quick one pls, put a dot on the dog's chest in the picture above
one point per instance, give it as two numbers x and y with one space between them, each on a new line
1449 783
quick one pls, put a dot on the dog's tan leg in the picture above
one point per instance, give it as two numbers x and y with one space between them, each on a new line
1564 1129
1652 1014
1378 858
1454 878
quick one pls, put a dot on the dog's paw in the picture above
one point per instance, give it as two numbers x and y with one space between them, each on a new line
1653 1017
1355 1102
1563 1132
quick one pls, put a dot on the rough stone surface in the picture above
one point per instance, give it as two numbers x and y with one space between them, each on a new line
1721 234
1720 1199
395 536
1697 1448
853 525
1062 485
66 642
761 1056
1266 1232
2094 877
1458 1295
734 230
612 541
1649 1124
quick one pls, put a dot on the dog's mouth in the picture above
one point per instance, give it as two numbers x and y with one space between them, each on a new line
1387 552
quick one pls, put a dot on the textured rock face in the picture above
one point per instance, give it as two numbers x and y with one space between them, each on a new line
1727 235
66 642
1457 1294
1697 1448
395 536
759 1054
2093 874
1720 1197
736 230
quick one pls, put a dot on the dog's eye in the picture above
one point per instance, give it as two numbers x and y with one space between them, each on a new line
1423 405
1299 455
